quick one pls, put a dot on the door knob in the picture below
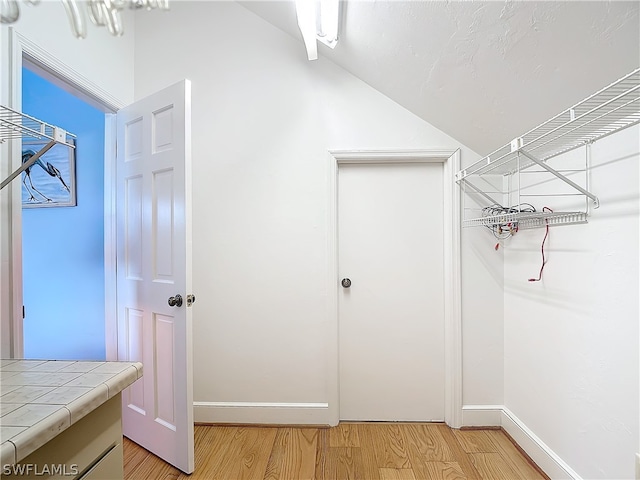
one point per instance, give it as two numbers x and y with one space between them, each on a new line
346 283
175 301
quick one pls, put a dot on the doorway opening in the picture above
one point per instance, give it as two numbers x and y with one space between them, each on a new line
42 73
63 267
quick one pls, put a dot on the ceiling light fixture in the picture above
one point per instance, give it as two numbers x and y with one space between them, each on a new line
329 19
318 20
102 13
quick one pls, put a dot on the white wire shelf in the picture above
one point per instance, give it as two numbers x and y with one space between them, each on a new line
609 110
14 124
525 220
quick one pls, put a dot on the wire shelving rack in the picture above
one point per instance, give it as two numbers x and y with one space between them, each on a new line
610 110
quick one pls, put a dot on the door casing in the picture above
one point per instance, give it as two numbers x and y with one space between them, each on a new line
452 308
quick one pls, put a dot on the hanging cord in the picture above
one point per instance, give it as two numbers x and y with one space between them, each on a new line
503 231
546 234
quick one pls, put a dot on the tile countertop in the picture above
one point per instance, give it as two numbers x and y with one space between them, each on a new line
41 398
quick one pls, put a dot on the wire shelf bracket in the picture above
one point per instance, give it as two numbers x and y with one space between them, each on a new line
596 202
14 124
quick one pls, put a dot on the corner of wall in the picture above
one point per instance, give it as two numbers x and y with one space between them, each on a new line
500 416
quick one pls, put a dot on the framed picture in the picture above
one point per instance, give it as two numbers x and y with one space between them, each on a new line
51 180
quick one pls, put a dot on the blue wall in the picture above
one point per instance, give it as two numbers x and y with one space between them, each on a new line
63 247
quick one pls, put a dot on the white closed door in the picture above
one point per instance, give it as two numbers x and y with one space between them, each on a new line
391 317
154 266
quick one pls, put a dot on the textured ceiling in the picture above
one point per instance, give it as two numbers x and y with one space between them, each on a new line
483 72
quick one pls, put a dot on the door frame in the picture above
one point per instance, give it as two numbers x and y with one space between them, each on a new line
450 159
20 50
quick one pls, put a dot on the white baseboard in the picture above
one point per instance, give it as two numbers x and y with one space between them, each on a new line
540 453
261 413
482 415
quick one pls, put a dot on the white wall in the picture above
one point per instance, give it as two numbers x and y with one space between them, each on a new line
103 60
482 325
571 341
263 120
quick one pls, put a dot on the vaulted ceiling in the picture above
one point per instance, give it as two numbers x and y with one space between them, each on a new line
483 72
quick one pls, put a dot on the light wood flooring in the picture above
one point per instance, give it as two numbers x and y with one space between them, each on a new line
361 451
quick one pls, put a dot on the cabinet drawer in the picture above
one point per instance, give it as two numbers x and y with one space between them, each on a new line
108 468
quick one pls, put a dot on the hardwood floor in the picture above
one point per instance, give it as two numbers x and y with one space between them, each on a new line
359 451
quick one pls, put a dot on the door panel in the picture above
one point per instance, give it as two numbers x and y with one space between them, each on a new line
163 221
153 209
133 233
391 318
134 345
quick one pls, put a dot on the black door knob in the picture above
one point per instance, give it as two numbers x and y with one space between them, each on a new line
346 283
175 301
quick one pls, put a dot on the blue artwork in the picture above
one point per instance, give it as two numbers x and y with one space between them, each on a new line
50 181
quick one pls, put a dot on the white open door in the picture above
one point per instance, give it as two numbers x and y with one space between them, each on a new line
154 268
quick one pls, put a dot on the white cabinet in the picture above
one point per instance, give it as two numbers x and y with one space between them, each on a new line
89 449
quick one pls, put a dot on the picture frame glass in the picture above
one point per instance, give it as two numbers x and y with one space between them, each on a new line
51 180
